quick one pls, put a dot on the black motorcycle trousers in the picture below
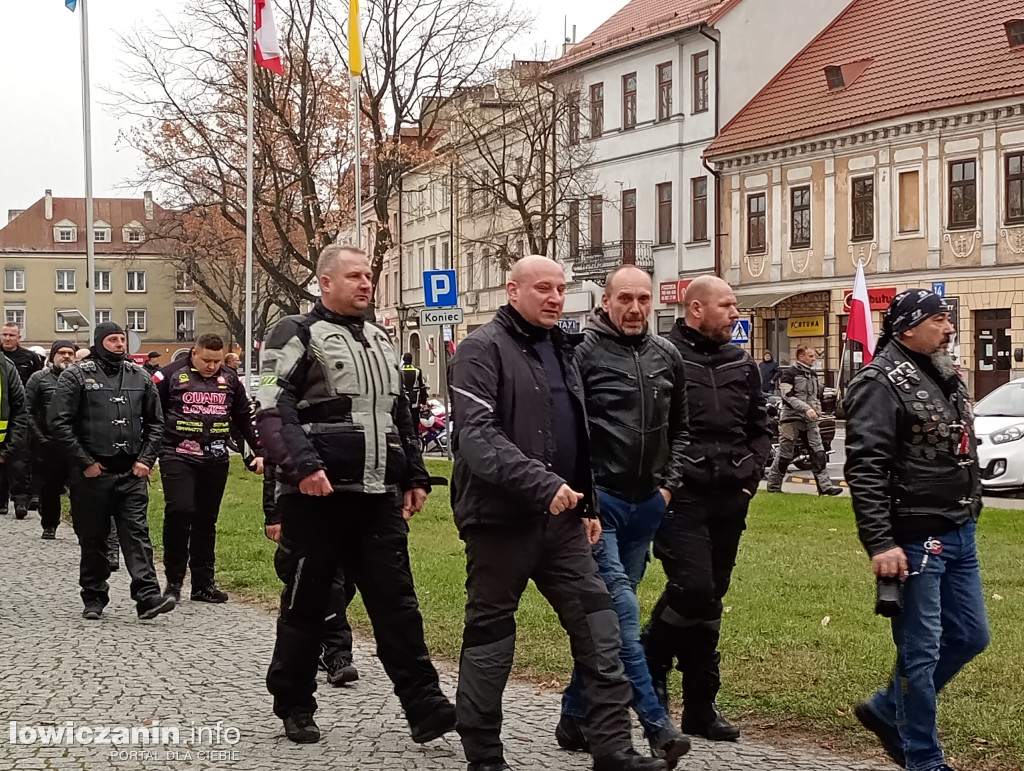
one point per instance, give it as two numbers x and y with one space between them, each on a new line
339 537
51 475
554 552
124 498
697 544
192 494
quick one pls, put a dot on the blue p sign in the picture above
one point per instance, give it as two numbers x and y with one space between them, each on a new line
439 289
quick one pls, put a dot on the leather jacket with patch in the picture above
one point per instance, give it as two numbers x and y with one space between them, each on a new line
729 438
109 414
635 393
200 412
330 398
910 448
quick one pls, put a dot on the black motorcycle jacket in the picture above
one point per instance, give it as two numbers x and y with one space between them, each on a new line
39 393
729 437
107 411
200 412
25 361
634 389
910 448
331 399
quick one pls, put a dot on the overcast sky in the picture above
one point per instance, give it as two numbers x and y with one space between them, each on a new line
40 89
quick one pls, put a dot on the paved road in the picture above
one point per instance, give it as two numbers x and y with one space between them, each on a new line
205 664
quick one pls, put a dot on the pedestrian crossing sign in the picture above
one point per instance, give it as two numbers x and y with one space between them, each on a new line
741 331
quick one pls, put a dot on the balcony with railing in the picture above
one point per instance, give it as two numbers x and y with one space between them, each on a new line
594 263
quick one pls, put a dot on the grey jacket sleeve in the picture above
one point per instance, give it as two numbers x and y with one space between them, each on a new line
787 389
483 444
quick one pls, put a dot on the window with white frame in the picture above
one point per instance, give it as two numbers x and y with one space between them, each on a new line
185 324
133 235
101 236
182 281
136 321
62 324
15 316
65 280
102 315
101 280
67 235
14 279
136 281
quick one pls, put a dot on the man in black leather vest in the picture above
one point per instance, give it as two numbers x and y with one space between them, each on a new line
106 417
912 466
51 464
332 415
699 537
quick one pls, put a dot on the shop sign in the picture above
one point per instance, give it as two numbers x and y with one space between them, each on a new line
673 292
806 326
878 299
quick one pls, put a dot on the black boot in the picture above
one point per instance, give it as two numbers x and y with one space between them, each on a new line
708 722
489 765
339 670
436 724
656 637
569 734
628 760
669 744
301 728
888 735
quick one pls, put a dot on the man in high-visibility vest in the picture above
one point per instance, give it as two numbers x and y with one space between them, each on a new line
414 387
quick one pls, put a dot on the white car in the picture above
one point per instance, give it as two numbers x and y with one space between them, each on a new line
999 426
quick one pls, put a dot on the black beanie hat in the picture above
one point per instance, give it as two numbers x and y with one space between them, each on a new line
58 344
105 330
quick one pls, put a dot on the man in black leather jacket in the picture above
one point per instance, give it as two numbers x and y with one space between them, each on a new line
912 466
522 497
635 396
106 418
699 538
51 464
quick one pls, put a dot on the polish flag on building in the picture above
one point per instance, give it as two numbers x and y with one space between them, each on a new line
860 328
268 52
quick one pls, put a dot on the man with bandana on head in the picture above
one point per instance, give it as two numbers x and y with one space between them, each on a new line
912 467
106 418
51 465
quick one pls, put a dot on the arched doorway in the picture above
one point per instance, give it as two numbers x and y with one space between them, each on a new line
414 348
181 353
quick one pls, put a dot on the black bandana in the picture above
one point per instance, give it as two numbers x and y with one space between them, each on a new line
907 310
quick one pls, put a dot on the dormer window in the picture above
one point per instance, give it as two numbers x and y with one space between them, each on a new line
101 232
1015 33
65 232
843 76
133 233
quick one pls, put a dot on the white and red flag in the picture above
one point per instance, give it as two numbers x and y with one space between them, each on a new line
268 51
860 328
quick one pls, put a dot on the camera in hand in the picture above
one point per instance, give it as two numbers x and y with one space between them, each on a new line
888 597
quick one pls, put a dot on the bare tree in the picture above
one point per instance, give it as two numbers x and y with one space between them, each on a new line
520 164
188 94
420 55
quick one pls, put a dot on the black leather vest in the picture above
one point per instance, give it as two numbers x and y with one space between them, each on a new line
110 421
938 448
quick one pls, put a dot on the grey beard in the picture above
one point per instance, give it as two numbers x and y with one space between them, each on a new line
60 366
944 364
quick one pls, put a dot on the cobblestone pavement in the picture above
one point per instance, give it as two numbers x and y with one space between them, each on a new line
204 665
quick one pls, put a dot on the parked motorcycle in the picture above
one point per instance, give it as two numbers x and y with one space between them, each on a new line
826 425
433 426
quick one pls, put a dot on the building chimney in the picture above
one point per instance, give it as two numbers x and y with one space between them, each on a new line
147 198
49 204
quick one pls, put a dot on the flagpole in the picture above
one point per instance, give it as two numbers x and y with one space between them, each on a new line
249 363
90 247
354 82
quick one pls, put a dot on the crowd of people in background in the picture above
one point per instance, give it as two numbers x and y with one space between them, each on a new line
576 456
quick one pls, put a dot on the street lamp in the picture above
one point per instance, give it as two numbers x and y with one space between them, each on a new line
405 312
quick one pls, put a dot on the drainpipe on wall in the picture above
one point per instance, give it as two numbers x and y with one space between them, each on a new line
718 178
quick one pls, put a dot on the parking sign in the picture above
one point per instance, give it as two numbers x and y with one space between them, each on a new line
439 289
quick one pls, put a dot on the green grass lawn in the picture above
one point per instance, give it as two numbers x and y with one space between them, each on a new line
799 564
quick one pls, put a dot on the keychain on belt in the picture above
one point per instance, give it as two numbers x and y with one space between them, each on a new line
931 546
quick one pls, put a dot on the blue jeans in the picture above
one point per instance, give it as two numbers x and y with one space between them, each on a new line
621 556
942 627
